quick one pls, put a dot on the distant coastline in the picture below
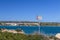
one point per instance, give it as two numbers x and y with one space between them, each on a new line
28 23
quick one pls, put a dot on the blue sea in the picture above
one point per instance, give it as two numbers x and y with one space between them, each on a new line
48 30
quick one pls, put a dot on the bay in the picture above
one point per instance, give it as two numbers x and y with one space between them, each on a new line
47 30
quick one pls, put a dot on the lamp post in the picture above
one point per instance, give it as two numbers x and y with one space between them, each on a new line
39 18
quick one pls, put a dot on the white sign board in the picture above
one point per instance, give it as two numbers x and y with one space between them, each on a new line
39 17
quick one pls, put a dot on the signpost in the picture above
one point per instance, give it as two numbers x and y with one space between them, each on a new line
39 18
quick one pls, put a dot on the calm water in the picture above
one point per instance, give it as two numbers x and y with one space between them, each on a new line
48 30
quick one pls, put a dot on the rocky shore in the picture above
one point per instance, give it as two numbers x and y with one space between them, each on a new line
6 34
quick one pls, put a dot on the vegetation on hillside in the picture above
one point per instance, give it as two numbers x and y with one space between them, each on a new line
49 24
18 36
12 36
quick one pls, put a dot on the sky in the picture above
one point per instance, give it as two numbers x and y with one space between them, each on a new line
27 10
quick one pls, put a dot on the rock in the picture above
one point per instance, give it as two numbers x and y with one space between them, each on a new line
57 35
